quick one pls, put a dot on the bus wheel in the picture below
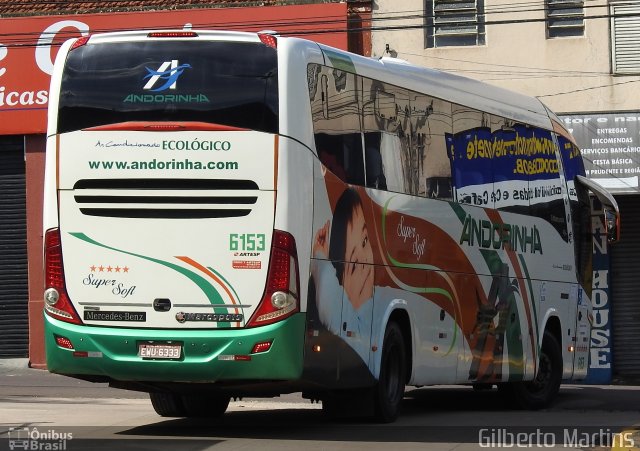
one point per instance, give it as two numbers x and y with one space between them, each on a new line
167 404
541 391
205 406
389 390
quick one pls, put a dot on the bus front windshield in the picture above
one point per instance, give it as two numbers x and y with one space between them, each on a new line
227 83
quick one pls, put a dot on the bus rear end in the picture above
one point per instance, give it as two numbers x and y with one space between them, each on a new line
161 259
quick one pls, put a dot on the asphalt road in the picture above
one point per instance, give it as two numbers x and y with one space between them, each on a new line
54 412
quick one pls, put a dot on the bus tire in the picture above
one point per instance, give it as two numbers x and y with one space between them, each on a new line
205 406
540 392
389 390
167 404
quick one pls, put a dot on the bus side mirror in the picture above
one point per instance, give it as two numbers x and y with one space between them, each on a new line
612 225
609 207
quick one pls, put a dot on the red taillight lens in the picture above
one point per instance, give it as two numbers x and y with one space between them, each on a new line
280 299
63 342
268 40
57 303
262 346
79 42
172 34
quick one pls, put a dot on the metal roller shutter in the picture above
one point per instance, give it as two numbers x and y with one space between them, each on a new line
625 289
14 338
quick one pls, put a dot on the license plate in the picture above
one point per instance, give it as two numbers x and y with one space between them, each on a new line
164 351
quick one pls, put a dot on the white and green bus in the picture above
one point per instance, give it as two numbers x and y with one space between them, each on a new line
239 214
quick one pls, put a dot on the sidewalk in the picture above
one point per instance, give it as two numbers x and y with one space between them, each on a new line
14 365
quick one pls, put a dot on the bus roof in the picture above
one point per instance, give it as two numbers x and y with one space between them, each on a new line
447 86
443 85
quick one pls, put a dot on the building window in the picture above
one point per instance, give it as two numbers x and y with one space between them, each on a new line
625 32
455 23
565 18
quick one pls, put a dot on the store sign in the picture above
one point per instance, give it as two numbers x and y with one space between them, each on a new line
610 144
600 371
28 45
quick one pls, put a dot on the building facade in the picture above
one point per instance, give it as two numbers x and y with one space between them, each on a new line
582 59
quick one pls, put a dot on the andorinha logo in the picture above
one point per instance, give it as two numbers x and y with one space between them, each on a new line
162 79
169 71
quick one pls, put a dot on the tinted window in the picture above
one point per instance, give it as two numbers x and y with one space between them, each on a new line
403 133
229 83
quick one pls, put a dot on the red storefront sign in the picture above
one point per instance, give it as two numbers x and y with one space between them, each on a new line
28 46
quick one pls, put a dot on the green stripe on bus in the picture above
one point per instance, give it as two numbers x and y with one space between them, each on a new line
340 61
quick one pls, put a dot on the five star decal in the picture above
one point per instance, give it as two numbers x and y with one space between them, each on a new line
109 268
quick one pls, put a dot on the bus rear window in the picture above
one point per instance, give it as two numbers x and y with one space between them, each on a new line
228 83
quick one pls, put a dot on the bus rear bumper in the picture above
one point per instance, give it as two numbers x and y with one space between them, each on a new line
207 355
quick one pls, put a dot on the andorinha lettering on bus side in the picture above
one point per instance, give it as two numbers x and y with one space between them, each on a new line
494 235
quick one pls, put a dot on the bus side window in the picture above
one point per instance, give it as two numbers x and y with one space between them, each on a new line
330 154
511 180
373 160
581 219
430 122
342 155
471 163
353 159
547 193
391 162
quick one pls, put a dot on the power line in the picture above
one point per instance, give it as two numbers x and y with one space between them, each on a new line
533 70
590 88
25 39
538 6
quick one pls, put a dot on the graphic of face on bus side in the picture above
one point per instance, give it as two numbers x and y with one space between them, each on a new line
390 251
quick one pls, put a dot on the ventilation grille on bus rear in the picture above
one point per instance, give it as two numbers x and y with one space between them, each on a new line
165 198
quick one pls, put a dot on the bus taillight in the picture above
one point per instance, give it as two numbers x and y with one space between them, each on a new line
280 298
82 40
56 300
268 38
172 34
